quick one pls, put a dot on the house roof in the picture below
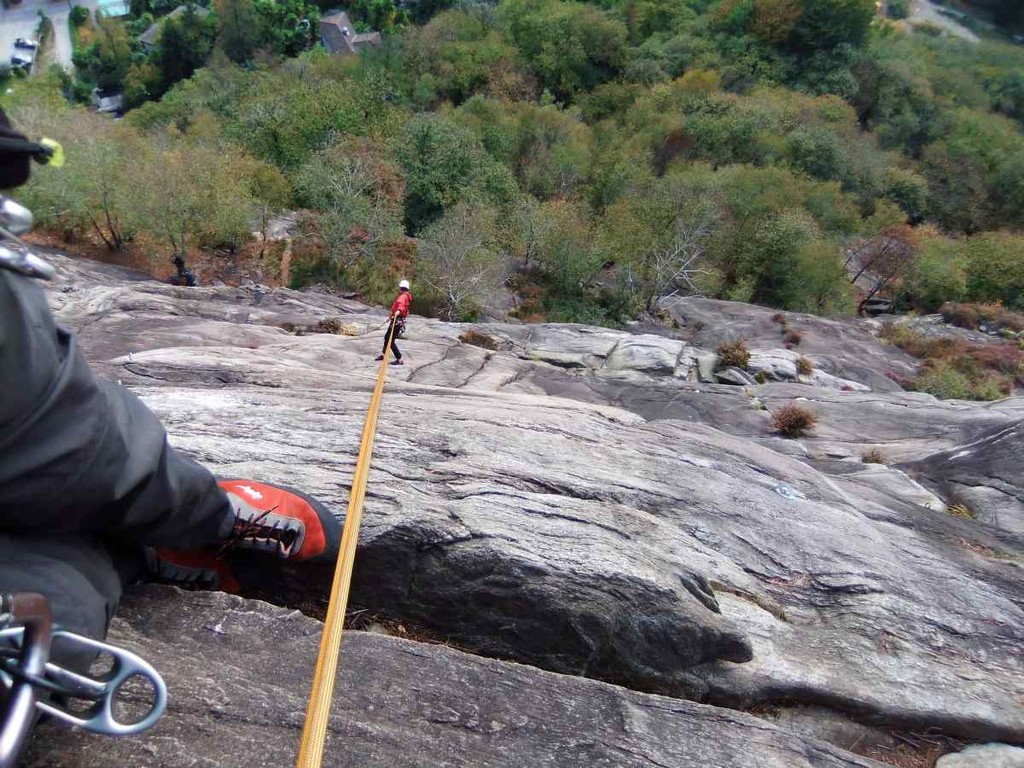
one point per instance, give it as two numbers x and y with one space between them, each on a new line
148 37
339 36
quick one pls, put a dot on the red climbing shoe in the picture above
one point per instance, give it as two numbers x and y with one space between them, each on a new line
272 519
191 569
397 362
281 521
378 358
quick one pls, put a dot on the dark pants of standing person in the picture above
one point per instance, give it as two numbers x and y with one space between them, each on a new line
392 331
87 477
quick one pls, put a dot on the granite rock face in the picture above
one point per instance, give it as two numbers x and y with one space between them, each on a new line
985 473
578 499
239 672
984 756
843 348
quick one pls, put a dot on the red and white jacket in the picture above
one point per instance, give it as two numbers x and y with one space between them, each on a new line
400 306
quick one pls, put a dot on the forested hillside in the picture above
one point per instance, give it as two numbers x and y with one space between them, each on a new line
591 157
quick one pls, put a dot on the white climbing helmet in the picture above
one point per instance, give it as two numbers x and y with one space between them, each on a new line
403 284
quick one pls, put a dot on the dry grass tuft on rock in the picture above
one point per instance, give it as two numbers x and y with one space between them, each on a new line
793 337
792 420
733 354
478 339
874 456
804 366
962 511
335 326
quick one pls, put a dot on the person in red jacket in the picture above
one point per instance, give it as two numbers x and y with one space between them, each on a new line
399 311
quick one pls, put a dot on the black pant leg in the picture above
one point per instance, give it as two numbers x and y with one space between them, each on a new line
77 575
391 333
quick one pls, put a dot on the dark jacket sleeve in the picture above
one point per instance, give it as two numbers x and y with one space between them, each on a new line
78 454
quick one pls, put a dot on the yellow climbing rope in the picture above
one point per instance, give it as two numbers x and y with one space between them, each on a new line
314 733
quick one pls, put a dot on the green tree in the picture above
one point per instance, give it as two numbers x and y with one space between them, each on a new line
658 239
459 262
113 53
240 29
645 18
444 164
563 245
107 60
826 24
774 20
356 194
184 44
1007 94
381 15
898 9
995 268
459 54
909 190
939 274
92 192
194 195
973 173
293 25
572 47
143 82
819 153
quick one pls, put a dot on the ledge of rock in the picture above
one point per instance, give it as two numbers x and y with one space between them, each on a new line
239 673
985 474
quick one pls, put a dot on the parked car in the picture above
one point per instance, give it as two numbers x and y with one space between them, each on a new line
26 42
23 60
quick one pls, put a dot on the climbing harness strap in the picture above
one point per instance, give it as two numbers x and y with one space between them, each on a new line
314 732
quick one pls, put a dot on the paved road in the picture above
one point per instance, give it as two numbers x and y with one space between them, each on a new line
60 50
18 21
924 11
22 20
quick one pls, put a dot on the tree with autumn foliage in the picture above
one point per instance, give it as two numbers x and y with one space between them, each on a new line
877 264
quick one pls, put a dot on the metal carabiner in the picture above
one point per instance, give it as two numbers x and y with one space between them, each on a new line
30 631
16 219
99 692
103 690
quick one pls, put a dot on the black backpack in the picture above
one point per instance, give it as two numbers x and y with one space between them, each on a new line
16 154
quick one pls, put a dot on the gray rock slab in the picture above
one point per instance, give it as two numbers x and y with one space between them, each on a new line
845 348
986 473
735 376
239 673
984 756
651 354
775 364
